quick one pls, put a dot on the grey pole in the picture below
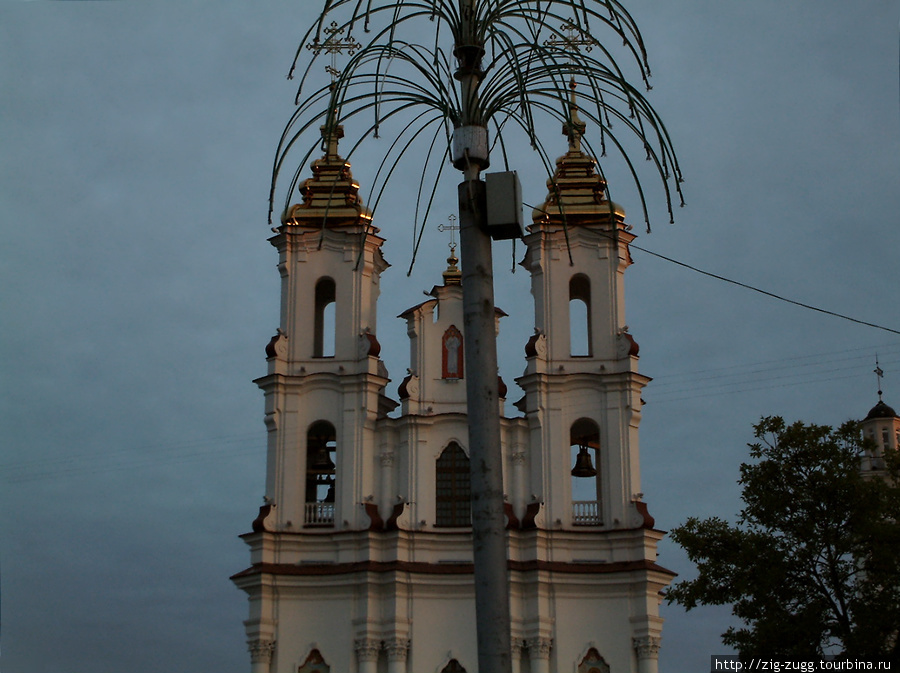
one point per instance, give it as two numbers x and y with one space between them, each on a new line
492 618
486 460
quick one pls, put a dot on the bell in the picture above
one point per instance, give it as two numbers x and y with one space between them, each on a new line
321 462
583 466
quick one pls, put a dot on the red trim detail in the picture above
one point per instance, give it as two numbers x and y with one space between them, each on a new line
452 354
641 507
259 523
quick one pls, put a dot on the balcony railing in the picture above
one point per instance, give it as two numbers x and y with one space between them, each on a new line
319 514
586 513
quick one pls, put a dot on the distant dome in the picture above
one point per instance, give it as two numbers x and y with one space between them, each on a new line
881 410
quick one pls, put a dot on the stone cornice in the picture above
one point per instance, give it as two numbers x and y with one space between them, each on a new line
412 567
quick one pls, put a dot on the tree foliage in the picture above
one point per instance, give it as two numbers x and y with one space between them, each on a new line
813 565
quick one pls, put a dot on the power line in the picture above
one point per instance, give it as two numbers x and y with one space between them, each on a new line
744 285
765 292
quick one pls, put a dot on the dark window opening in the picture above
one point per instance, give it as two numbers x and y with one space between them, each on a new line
453 488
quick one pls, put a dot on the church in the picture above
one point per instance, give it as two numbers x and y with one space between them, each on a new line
361 556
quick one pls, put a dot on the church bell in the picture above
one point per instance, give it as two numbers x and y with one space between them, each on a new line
321 462
583 466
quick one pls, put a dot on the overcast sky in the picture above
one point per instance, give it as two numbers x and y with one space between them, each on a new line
138 292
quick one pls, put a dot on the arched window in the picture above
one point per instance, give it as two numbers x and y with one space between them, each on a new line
584 441
321 447
593 663
580 315
324 324
452 488
314 664
453 666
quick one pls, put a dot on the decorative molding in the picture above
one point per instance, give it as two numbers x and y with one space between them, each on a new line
517 458
397 649
366 649
261 651
539 648
315 569
647 647
387 459
277 346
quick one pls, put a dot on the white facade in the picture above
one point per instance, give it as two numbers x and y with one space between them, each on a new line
882 427
361 558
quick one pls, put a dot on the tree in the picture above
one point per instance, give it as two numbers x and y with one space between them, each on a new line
813 566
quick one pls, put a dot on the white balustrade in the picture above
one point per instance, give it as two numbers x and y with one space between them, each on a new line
586 513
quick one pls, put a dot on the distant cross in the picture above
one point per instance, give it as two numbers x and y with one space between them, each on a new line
452 227
334 45
880 375
570 38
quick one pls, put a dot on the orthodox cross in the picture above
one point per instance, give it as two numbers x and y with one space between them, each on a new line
452 227
334 45
880 375
570 38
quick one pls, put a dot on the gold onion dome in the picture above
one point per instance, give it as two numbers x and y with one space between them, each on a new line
452 276
331 196
576 190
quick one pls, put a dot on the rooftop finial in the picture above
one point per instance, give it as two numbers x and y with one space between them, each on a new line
334 45
332 132
572 38
879 373
574 128
452 276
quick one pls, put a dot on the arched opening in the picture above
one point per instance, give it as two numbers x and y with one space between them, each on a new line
314 664
580 316
593 663
324 323
321 451
453 666
453 506
584 447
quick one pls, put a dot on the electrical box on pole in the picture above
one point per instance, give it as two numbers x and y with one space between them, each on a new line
504 205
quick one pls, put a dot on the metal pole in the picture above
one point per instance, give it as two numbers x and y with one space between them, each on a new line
492 619
486 460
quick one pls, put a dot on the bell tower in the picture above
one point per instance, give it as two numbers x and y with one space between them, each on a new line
325 384
881 427
583 389
583 407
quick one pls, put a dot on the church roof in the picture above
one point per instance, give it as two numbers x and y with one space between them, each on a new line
881 410
331 196
577 192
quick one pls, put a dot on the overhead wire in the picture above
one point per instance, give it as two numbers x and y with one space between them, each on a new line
745 285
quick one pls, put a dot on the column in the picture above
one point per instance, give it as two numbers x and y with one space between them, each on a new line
539 654
367 654
647 648
518 492
387 499
518 646
397 652
261 652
